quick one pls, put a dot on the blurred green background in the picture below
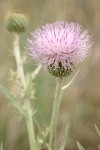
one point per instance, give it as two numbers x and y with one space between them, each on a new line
81 102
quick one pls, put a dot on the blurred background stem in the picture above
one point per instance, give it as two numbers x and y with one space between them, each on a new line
55 112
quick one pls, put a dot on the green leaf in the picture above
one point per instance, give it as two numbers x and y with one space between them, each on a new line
80 147
97 130
14 101
65 138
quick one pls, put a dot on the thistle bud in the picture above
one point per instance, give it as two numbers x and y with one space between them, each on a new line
17 22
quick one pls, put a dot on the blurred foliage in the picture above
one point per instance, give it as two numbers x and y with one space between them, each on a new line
81 102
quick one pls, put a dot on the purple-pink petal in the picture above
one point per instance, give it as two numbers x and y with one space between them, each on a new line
62 42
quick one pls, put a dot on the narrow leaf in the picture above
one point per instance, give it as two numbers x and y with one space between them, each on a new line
97 130
70 82
80 147
65 138
39 129
36 71
14 101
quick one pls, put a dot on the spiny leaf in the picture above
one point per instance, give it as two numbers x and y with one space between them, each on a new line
14 101
65 138
97 130
80 147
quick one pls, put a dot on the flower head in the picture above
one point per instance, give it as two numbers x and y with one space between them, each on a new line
60 46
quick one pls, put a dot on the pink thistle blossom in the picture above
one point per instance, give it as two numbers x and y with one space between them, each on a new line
59 46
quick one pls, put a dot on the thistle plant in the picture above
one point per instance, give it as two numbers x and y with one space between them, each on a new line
59 47
16 24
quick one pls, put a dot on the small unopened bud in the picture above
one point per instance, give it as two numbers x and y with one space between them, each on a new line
17 22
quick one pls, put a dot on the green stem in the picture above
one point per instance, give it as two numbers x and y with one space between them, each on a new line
55 112
18 59
30 127
28 112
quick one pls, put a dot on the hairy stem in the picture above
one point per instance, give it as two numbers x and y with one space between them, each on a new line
30 127
28 112
55 112
18 59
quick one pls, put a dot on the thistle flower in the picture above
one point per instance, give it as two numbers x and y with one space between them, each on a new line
59 47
